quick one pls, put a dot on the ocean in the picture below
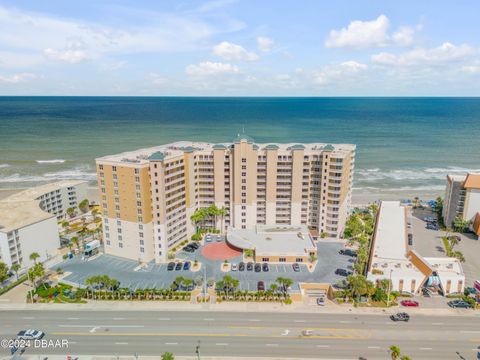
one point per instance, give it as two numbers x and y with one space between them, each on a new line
405 146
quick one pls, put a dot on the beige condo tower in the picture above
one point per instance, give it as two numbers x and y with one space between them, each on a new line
149 195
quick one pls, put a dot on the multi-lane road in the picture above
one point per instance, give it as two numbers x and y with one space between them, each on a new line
335 336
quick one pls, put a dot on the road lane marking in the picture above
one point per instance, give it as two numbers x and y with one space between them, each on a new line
271 344
345 322
425 348
163 319
118 318
73 318
253 320
28 318
373 347
299 321
121 343
323 346
437 323
208 319
171 343
221 344
101 326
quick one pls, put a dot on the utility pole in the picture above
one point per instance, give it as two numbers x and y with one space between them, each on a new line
389 288
204 283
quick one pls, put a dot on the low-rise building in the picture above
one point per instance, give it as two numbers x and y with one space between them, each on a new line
392 258
28 220
462 199
274 243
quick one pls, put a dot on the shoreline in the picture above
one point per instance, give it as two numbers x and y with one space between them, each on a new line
358 197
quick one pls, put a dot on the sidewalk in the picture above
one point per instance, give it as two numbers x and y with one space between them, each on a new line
234 307
104 357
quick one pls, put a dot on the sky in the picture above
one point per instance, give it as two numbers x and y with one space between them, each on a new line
240 48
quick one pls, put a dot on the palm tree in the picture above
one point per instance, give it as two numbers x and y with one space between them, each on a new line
394 352
274 288
76 242
15 268
83 205
196 217
222 212
168 356
71 211
285 284
34 256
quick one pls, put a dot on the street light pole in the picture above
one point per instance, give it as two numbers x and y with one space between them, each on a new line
389 288
197 350
30 291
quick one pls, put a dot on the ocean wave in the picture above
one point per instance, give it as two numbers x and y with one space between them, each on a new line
55 161
435 188
4 166
376 174
77 174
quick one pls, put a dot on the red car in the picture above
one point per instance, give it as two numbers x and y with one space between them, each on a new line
409 303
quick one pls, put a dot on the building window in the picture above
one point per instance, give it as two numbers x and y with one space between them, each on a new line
299 260
141 234
142 250
108 242
137 178
136 171
282 259
265 259
114 168
141 242
100 167
120 245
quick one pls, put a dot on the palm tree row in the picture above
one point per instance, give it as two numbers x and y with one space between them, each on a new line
102 281
211 213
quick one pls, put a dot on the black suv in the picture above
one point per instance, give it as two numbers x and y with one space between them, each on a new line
342 272
258 267
178 266
400 317
348 252
171 266
241 266
265 267
249 266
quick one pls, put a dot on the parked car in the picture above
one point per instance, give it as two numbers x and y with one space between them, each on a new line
188 249
178 266
400 317
241 266
348 252
432 227
343 272
170 266
208 238
249 266
234 267
459 304
428 219
410 303
258 267
186 265
410 239
261 286
265 267
194 245
296 267
321 301
470 290
30 334
218 238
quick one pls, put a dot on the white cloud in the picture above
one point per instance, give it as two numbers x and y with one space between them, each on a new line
331 73
471 69
157 79
370 34
360 34
445 53
17 78
264 43
72 56
230 51
207 68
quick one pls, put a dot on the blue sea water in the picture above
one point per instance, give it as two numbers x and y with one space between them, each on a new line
403 144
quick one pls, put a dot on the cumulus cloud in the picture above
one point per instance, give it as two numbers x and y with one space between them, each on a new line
444 53
264 43
157 79
370 34
17 78
234 52
71 56
208 68
471 69
330 73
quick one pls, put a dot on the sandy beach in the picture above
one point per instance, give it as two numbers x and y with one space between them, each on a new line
358 197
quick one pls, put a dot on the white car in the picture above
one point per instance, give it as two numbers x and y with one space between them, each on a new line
234 267
30 334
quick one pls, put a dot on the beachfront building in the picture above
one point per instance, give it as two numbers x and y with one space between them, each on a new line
148 195
462 199
28 220
282 244
392 258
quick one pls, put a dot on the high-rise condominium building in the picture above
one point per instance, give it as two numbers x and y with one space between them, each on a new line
149 195
462 199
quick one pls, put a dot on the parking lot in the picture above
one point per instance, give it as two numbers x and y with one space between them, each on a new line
428 243
157 276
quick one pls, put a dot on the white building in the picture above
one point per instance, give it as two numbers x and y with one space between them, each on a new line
392 258
28 220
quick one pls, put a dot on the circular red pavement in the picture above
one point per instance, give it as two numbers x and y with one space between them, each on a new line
219 251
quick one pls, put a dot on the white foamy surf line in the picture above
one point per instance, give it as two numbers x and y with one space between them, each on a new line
77 174
55 161
400 189
372 175
4 165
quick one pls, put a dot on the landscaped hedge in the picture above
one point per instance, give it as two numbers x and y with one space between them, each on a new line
12 285
139 294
